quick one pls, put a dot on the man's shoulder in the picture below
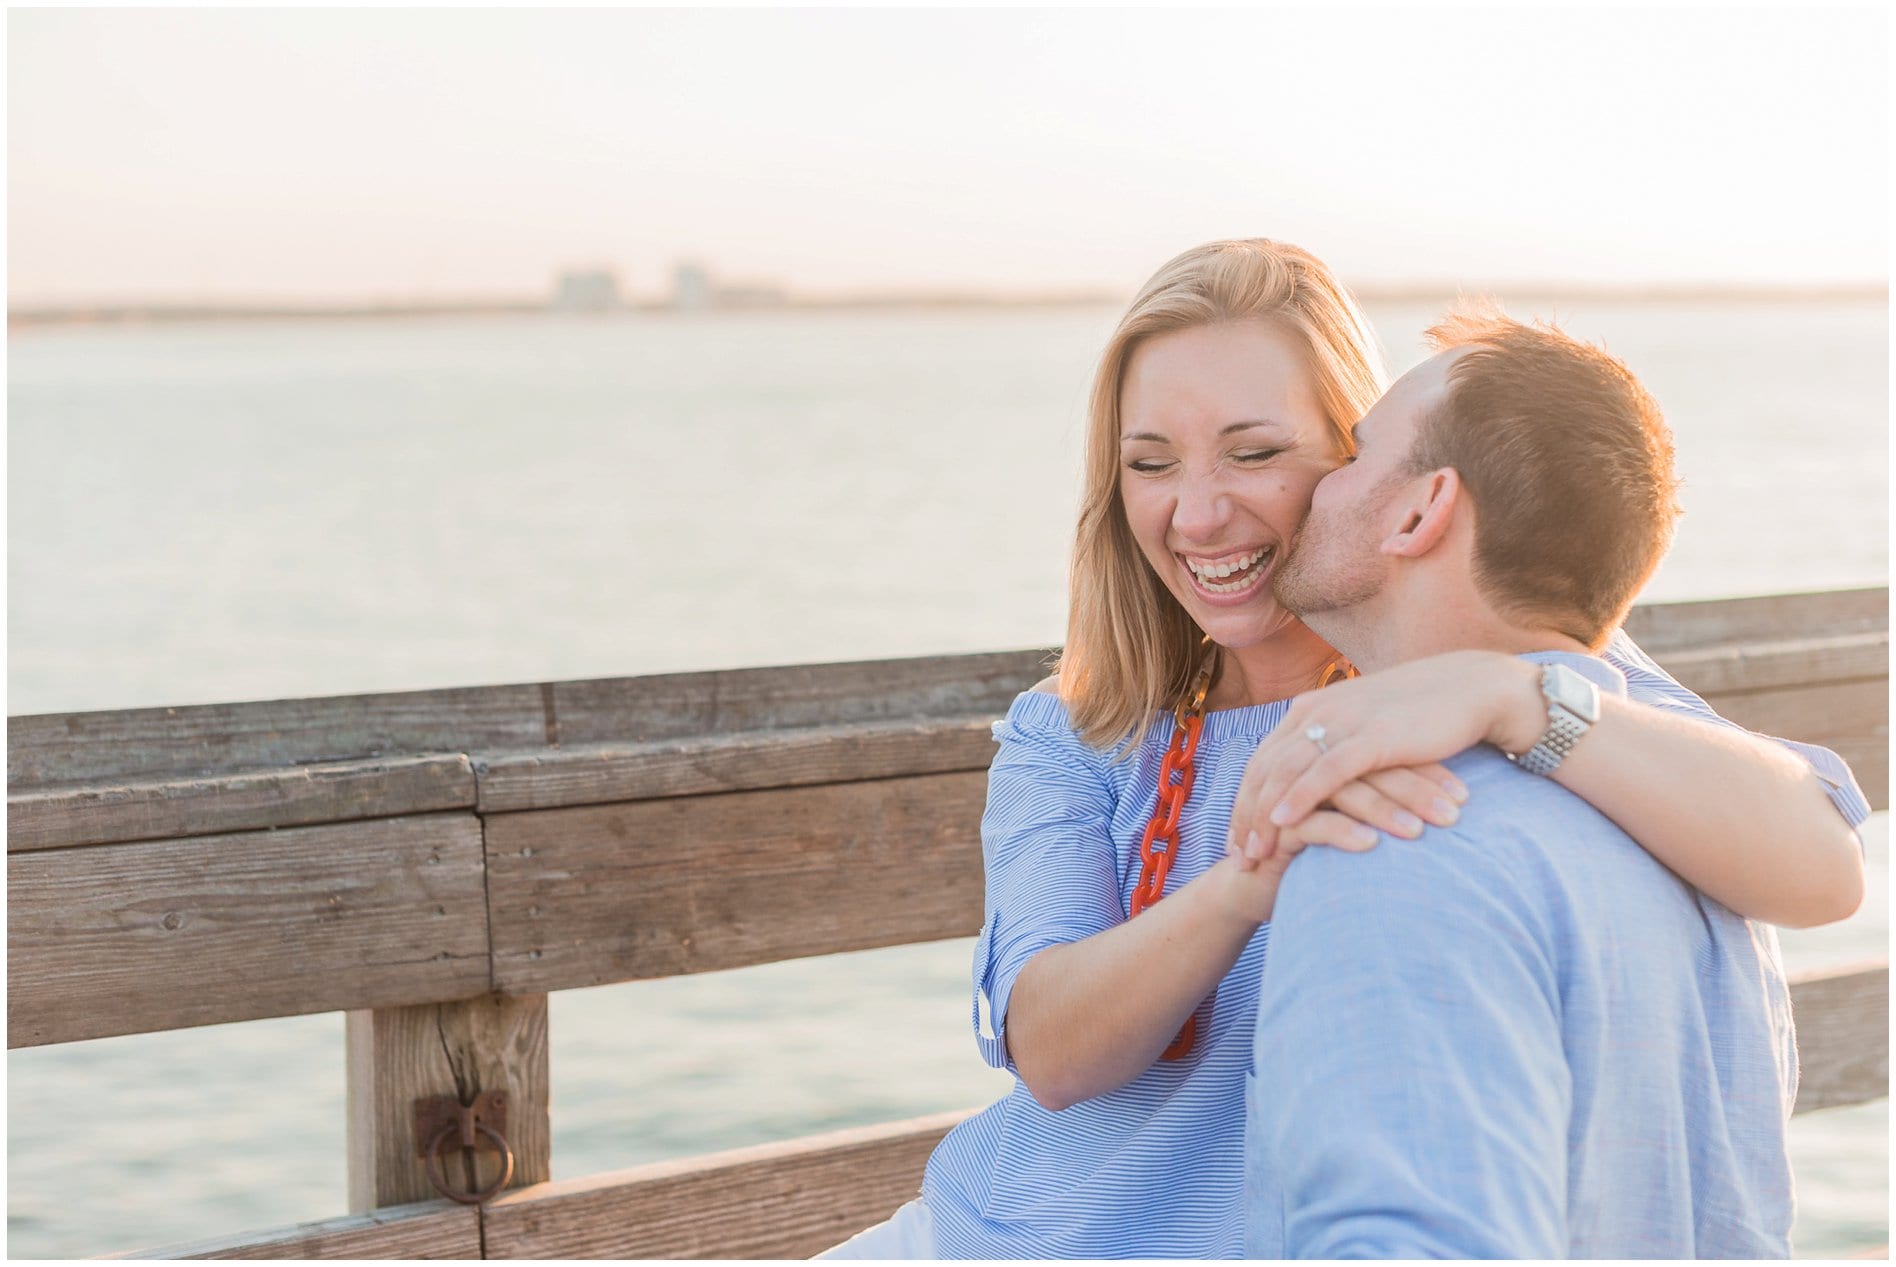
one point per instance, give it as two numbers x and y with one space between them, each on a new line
1504 780
1521 840
1505 801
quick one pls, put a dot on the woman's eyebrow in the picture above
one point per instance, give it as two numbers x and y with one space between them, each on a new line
1225 430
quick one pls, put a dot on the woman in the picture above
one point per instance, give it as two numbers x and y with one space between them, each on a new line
1227 391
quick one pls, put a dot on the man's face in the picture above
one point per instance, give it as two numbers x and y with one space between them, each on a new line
1336 561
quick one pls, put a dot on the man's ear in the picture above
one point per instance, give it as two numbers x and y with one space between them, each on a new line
1428 508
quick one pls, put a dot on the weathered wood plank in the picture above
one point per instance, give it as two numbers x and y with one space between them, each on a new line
1768 618
1763 666
797 1198
333 792
144 744
789 1200
399 1055
607 893
432 1229
690 705
748 760
151 743
1827 713
1842 1018
121 939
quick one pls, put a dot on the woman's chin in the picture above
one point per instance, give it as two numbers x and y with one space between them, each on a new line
1256 622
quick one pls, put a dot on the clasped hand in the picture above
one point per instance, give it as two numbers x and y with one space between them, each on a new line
1377 768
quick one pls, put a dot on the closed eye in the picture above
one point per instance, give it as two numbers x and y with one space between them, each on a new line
1147 466
1258 455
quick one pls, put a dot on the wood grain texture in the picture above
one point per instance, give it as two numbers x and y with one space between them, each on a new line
121 939
432 1230
1842 1018
690 705
332 792
1826 713
59 749
789 1200
1762 666
135 744
608 893
747 760
151 743
797 1198
1768 618
397 1056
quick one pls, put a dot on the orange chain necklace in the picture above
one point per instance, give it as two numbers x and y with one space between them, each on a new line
1159 846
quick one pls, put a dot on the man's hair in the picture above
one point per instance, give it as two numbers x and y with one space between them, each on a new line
1569 464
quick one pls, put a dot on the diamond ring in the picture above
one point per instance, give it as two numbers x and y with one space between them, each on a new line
1315 733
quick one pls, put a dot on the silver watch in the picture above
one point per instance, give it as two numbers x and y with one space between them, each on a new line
1573 704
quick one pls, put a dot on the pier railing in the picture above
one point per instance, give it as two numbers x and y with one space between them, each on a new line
434 863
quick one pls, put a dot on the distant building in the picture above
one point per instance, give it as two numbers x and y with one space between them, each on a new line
587 290
691 287
750 296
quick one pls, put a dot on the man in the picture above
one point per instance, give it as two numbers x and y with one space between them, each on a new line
1520 1036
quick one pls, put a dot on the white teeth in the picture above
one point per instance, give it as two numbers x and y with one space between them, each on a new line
1208 574
1234 586
1205 571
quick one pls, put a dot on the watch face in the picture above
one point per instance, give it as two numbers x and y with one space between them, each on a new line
1571 691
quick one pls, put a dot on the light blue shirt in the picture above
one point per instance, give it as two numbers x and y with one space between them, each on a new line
1520 1037
1155 1168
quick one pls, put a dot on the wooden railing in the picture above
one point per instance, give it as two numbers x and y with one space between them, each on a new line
434 863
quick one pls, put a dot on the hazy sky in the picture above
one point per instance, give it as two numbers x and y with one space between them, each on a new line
160 154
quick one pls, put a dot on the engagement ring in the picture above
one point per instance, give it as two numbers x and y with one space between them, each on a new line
1314 733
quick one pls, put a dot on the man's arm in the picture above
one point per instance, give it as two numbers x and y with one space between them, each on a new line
1412 1095
1759 824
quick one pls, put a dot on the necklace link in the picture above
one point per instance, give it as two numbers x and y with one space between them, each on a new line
1158 847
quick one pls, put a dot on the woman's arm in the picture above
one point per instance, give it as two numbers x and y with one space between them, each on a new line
1090 1016
1083 1000
1737 815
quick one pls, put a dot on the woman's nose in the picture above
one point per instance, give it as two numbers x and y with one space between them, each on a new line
1201 509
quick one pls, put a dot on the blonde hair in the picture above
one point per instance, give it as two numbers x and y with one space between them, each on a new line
1130 647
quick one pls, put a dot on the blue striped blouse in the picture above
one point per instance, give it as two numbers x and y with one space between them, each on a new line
1154 1169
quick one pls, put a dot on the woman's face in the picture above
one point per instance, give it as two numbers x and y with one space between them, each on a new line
1221 443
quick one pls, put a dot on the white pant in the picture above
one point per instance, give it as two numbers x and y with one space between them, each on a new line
908 1233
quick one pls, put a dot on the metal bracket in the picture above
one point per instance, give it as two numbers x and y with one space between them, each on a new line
443 1121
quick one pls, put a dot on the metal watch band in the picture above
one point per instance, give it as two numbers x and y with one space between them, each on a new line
1572 705
1563 732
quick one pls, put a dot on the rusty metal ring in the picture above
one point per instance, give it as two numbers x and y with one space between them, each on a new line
433 1156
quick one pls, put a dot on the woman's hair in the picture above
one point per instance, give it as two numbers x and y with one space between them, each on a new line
1130 647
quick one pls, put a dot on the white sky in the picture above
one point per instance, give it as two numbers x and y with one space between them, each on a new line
427 153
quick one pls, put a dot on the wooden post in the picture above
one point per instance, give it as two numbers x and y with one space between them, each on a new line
402 1054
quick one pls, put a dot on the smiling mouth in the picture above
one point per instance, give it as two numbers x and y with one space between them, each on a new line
1230 575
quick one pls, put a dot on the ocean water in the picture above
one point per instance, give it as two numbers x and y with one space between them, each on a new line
243 511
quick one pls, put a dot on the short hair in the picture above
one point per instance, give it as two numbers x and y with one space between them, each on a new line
1569 464
1130 647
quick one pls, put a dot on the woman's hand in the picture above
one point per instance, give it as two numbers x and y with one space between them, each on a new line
1247 886
1381 735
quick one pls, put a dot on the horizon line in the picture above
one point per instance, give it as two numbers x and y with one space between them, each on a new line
473 305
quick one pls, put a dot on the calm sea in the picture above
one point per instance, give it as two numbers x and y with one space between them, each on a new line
244 511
